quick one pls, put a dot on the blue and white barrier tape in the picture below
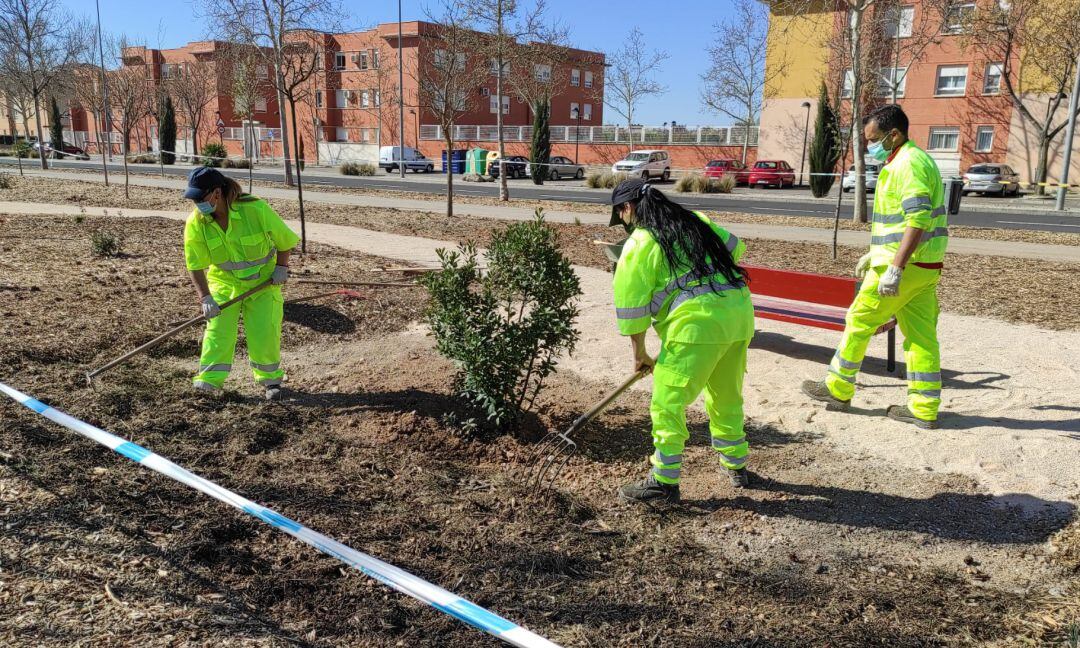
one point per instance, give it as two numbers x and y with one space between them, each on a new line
385 573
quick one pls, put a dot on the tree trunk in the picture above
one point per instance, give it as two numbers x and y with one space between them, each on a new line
127 139
859 215
40 141
1042 166
504 190
283 123
449 174
745 138
299 180
194 140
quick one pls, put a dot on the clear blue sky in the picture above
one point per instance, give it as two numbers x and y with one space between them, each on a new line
683 29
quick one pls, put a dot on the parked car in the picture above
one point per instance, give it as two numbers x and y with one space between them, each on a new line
772 172
390 159
645 164
998 179
733 168
66 150
560 167
514 164
872 170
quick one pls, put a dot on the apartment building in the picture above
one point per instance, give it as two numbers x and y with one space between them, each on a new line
953 95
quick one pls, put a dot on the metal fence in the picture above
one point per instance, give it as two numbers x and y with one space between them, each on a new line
680 135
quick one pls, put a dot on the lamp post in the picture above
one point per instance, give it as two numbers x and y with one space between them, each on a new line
416 119
1070 131
806 132
401 94
574 115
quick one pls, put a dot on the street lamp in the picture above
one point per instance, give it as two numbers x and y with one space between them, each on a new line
574 115
806 131
416 118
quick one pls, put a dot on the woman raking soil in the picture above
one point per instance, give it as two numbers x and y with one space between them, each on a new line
679 272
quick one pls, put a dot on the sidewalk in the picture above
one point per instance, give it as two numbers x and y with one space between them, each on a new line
1038 251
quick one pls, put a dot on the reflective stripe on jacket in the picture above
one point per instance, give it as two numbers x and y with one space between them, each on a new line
683 306
246 251
909 193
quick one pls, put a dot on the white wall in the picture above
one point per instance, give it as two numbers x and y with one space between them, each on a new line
334 153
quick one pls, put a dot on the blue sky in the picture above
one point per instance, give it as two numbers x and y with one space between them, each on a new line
681 28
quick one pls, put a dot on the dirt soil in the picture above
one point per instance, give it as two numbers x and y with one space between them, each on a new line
830 549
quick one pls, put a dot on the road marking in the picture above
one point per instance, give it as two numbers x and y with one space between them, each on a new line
1039 224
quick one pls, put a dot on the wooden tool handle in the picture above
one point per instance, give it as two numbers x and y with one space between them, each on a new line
358 283
602 405
173 331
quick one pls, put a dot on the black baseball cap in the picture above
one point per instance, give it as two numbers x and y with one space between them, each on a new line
626 191
202 181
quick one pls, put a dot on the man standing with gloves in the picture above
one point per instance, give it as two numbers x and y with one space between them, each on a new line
900 273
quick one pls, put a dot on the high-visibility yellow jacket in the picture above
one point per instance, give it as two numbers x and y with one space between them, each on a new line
909 193
243 254
682 306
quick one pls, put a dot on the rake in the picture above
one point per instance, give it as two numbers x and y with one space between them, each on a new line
554 450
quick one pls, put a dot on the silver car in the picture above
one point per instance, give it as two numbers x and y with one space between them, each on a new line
560 167
997 179
872 171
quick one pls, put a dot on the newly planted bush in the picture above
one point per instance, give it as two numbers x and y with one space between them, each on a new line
104 243
5 181
504 329
213 153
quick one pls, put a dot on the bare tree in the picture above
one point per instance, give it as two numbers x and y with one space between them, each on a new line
193 85
446 78
268 26
631 77
242 67
503 27
44 42
738 80
129 102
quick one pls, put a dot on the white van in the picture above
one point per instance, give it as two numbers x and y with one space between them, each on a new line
390 159
645 165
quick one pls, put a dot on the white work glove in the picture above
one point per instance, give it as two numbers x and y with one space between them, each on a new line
280 276
210 308
862 266
889 284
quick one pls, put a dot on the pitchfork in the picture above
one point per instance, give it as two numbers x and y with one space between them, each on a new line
555 449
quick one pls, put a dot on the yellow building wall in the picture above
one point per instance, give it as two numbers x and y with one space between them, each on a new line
797 41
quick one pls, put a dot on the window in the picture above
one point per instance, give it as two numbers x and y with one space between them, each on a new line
459 61
339 60
493 104
495 68
262 72
375 59
992 79
944 139
342 98
575 77
984 139
378 97
542 72
951 81
318 98
849 83
889 77
365 98
588 79
341 134
459 100
899 22
440 58
506 104
260 104
958 15
586 112
363 60
573 111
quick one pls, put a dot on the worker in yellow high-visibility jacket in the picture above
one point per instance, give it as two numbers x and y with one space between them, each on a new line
900 273
232 243
679 272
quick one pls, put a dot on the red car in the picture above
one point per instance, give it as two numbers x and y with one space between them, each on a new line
772 173
733 168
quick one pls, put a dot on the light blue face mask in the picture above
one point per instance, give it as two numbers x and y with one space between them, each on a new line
205 208
878 151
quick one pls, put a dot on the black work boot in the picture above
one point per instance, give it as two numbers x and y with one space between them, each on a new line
649 490
819 391
273 393
739 478
903 414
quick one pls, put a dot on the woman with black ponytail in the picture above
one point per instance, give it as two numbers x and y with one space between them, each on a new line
679 272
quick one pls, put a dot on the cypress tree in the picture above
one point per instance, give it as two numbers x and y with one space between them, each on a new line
824 149
56 128
167 132
540 152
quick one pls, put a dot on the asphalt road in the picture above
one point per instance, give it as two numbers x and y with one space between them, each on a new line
786 202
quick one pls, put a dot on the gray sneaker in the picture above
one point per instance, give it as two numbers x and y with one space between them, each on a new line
903 414
273 393
819 391
649 490
739 478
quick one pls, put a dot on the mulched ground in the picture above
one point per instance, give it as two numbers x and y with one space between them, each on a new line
96 551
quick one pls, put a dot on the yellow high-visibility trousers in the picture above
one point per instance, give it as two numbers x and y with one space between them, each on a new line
682 372
262 314
916 310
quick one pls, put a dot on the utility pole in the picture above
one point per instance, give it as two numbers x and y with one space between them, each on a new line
401 95
1064 188
805 133
105 97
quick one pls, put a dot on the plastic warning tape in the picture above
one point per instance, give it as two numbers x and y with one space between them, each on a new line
385 573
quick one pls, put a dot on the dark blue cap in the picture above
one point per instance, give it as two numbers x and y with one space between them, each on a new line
202 181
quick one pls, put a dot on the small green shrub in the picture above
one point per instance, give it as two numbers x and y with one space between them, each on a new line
104 243
685 184
143 158
476 177
211 153
504 329
5 181
357 169
235 163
